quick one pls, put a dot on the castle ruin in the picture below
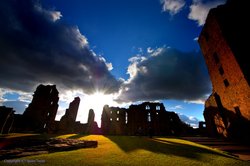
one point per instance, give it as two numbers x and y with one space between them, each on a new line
141 120
144 119
67 122
41 112
223 44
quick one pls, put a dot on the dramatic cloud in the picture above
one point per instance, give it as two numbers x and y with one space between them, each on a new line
200 9
172 6
38 47
175 107
192 121
166 73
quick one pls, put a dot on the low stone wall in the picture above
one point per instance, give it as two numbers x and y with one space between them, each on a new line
15 148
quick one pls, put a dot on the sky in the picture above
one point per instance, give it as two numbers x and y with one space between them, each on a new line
107 52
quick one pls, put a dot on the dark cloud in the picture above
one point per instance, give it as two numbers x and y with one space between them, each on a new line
37 47
167 74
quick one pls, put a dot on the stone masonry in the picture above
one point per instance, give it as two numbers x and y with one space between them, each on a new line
222 41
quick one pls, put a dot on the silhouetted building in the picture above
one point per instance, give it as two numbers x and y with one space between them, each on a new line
68 121
41 112
92 127
223 41
144 119
6 119
72 111
202 129
40 115
114 120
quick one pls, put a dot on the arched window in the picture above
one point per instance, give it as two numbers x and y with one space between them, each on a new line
111 119
126 118
117 119
149 117
158 107
117 112
147 107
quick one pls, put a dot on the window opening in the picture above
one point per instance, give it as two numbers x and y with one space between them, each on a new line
226 83
149 117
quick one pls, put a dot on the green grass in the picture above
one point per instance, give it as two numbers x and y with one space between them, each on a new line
128 150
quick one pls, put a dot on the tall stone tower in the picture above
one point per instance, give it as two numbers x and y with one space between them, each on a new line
71 112
41 112
222 41
92 127
68 120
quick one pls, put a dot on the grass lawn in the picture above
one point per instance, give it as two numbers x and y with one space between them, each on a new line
129 150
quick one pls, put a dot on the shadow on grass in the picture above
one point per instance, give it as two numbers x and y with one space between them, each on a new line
128 144
21 145
8 139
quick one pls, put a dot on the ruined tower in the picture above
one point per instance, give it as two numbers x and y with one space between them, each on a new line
222 41
41 112
68 120
71 112
92 127
91 117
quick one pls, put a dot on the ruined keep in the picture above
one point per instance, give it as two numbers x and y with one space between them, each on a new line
141 120
68 123
92 127
41 112
71 112
68 120
40 115
222 41
6 119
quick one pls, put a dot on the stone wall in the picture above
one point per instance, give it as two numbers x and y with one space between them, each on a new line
141 120
41 112
67 122
230 101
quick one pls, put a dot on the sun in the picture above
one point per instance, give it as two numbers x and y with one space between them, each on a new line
95 101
